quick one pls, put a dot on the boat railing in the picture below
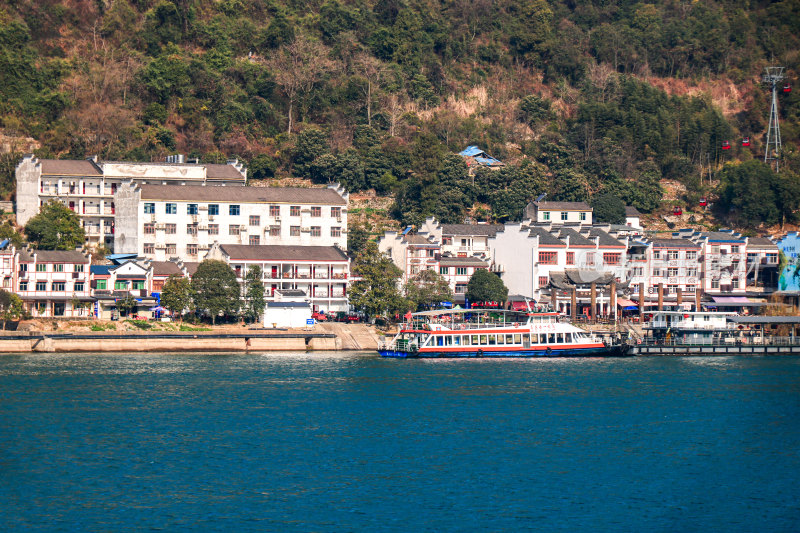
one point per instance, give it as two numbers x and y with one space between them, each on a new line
721 341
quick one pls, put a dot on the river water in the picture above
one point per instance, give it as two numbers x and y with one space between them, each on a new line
351 442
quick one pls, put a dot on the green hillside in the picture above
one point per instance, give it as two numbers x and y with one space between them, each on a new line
582 100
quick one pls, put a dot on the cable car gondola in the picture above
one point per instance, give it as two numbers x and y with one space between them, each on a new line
746 141
677 211
703 202
726 145
787 88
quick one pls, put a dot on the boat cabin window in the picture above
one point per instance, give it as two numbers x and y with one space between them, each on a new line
509 339
466 340
559 337
492 340
483 339
525 338
517 339
475 340
457 340
551 339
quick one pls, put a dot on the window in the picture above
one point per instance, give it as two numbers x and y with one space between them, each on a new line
171 249
656 254
294 210
336 231
316 211
59 286
564 215
547 258
78 268
171 229
274 231
149 208
191 209
191 229
570 258
316 231
101 284
444 270
582 216
672 255
735 249
672 272
546 215
590 258
120 285
213 209
255 220
672 289
233 229
336 212
191 249
149 248
41 267
461 288
543 281
274 211
715 284
58 267
461 271
691 254
637 271
715 249
23 286
172 209
150 228
138 285
611 258
41 286
294 231
254 240
735 283
213 229
233 210
657 272
690 288
691 272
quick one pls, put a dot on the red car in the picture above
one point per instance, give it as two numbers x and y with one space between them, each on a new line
319 317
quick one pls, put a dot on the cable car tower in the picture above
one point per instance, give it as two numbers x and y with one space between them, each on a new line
773 79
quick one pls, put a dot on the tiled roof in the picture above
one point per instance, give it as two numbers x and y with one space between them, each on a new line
67 167
100 270
463 261
674 243
246 252
488 230
545 237
199 193
563 206
417 239
603 238
575 238
53 256
760 242
722 236
226 172
191 266
165 268
631 211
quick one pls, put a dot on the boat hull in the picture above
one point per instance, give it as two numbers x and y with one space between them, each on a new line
599 351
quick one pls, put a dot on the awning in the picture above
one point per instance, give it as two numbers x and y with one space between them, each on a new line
624 302
730 299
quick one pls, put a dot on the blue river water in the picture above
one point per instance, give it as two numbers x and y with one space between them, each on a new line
350 442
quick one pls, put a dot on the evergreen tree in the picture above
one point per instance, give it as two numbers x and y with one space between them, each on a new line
428 289
485 286
375 293
176 295
56 227
254 303
215 289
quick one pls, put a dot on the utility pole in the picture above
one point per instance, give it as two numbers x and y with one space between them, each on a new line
773 78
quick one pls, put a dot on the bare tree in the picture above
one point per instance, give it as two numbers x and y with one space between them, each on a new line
372 70
395 109
298 67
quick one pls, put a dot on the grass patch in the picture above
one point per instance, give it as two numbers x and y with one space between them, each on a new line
184 327
141 324
102 327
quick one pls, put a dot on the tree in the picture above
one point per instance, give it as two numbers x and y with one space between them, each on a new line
608 208
485 286
376 292
357 237
11 307
254 303
215 289
428 289
56 227
8 231
176 295
126 305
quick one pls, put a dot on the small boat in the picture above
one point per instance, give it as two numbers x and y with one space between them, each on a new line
493 333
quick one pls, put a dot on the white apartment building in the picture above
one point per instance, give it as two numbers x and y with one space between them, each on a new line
321 272
53 283
461 240
559 212
676 264
412 253
724 261
88 186
160 222
457 271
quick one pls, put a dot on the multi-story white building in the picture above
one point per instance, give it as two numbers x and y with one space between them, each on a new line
559 212
458 271
724 261
321 272
676 264
412 253
88 186
461 240
53 283
160 222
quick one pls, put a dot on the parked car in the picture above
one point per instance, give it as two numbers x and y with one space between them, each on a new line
319 317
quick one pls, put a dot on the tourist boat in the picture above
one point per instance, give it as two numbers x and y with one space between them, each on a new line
493 333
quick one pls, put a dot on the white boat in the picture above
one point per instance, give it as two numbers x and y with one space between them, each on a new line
493 333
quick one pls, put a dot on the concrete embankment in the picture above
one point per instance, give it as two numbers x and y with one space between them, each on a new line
329 337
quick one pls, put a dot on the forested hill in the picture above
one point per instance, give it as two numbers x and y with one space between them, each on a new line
593 100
